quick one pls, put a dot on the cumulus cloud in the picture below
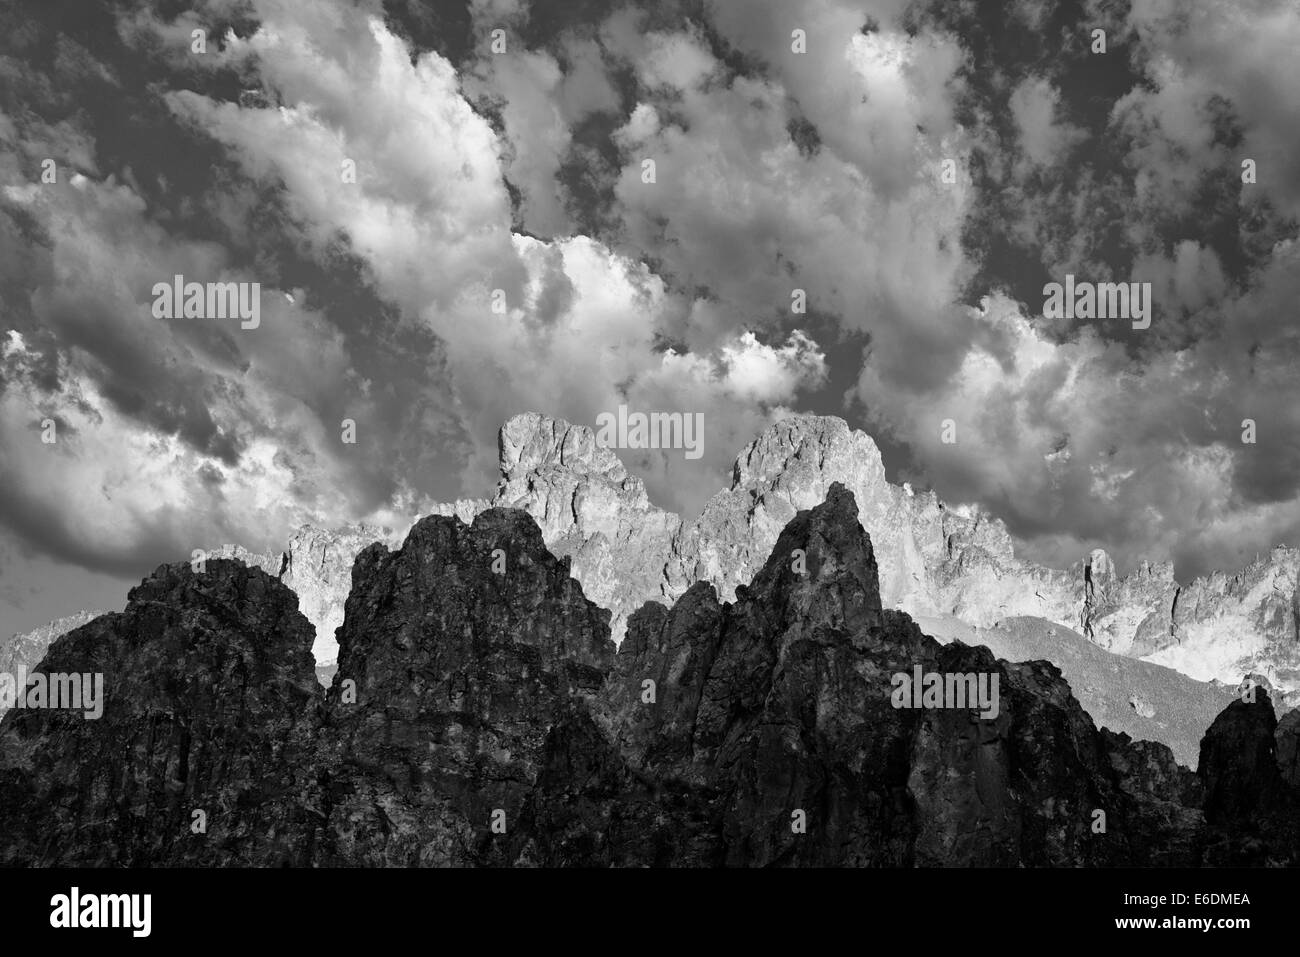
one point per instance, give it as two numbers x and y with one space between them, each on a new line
536 132
738 209
1243 55
1043 137
429 214
499 249
745 387
172 434
1078 444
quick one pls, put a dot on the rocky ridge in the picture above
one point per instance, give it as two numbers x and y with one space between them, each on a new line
936 562
484 717
26 650
1145 701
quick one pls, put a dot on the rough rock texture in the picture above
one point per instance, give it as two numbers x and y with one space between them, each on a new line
591 511
211 704
317 566
319 570
627 551
1288 748
781 702
27 650
264 560
459 672
1144 700
470 687
1254 809
1225 625
1238 764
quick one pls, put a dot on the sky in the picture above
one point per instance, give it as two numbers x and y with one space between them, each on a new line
447 210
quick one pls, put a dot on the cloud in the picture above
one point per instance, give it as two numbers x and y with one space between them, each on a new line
173 434
866 93
536 132
1079 444
739 210
1241 53
745 387
429 215
677 62
415 308
1044 138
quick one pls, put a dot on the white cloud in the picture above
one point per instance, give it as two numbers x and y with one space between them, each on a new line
1242 51
535 130
430 217
1043 137
678 61
1081 444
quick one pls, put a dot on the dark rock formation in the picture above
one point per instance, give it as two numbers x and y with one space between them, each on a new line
480 716
460 671
1254 810
1288 748
1144 700
1238 765
210 704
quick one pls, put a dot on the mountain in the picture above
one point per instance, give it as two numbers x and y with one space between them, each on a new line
460 674
953 568
1144 700
935 560
210 705
482 716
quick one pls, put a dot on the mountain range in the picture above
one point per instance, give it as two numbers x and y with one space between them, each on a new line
1145 655
482 716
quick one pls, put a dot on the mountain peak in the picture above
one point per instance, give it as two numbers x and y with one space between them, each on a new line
804 443
531 441
824 565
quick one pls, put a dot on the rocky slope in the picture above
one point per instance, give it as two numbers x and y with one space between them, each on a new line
483 717
1288 747
1144 700
319 570
933 560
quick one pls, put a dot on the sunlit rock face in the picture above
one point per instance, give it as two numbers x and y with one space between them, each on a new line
934 559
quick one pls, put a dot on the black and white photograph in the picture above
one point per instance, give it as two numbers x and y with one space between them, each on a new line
679 436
